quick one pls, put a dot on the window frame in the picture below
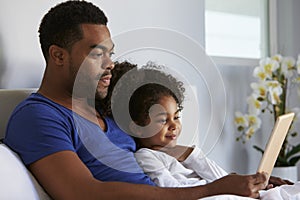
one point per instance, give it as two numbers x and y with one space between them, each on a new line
272 43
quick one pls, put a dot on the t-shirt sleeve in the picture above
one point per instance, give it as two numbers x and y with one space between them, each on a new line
203 166
156 167
36 130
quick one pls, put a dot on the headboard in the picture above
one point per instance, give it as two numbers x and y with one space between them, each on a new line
9 98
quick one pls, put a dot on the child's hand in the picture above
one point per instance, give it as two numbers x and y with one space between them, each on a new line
276 181
242 185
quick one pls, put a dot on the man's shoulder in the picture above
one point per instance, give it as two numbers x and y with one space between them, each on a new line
38 111
37 104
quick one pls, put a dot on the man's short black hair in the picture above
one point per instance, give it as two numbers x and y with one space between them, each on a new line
61 25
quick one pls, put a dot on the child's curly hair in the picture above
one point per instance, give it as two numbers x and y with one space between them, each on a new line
119 70
138 90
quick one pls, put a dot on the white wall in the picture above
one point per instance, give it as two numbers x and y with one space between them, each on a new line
22 64
289 43
289 27
21 60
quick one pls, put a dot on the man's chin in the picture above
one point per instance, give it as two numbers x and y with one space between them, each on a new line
171 145
100 95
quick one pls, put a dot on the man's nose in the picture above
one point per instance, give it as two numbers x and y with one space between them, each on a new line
108 64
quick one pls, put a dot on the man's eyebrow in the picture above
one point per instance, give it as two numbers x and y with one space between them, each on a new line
104 48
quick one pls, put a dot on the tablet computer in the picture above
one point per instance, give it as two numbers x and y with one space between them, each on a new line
275 142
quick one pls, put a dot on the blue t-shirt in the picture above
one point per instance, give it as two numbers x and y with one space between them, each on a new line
39 127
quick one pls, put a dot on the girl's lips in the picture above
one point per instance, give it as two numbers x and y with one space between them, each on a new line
172 136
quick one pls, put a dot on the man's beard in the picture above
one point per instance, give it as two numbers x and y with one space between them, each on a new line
84 85
99 95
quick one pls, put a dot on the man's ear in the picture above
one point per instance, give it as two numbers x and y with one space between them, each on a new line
57 54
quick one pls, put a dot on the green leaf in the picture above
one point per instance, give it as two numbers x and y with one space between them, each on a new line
258 149
281 162
294 160
293 151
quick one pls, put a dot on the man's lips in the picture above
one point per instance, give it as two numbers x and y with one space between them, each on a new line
105 80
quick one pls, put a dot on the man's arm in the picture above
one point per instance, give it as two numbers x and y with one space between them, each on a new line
64 176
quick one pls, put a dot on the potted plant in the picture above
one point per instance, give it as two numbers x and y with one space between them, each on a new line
277 77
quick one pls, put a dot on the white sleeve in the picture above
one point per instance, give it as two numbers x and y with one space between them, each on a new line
155 165
204 167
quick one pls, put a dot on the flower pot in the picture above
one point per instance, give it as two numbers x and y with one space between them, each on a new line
290 173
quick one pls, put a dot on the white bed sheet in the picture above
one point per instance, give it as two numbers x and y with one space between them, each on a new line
227 197
284 192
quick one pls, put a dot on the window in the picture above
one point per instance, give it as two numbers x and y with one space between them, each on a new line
238 29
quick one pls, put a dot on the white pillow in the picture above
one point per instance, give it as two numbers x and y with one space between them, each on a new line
16 182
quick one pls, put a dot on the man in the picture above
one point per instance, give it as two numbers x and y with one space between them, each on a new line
53 129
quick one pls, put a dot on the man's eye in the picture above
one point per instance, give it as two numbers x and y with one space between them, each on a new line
96 55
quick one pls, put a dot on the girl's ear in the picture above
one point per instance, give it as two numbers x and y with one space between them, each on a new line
135 129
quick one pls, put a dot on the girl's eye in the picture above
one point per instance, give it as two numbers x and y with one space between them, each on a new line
111 54
176 117
162 121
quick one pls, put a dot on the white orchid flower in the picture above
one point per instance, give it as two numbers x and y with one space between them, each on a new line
269 65
254 106
240 120
260 73
273 83
264 61
260 89
277 57
275 96
249 132
298 64
254 121
287 64
268 90
275 90
254 124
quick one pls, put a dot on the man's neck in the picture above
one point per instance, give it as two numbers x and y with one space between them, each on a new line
78 105
61 97
82 107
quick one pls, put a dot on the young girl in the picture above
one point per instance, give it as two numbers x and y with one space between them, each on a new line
155 105
150 103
